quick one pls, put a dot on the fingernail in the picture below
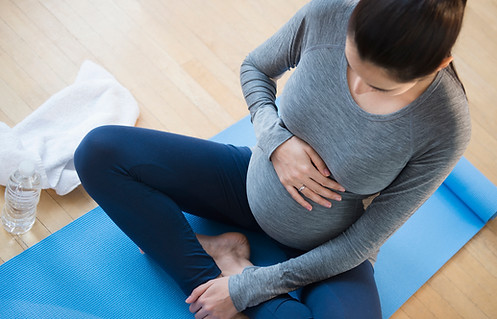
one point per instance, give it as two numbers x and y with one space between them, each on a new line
329 205
327 172
339 198
309 208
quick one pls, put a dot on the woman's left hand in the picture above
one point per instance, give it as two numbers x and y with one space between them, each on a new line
212 300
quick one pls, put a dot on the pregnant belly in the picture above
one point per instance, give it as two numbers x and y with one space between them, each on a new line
282 218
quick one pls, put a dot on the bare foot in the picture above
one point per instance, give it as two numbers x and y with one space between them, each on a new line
231 251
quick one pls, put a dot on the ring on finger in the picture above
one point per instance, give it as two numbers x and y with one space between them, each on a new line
302 187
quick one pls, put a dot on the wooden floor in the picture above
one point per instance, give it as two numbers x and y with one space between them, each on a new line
180 59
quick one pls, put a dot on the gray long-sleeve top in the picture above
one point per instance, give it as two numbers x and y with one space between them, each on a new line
404 155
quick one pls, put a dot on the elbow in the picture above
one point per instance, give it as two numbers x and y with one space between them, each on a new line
247 64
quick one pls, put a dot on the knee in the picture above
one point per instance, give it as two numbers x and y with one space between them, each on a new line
95 151
352 294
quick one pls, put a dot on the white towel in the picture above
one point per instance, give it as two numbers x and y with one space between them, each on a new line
50 135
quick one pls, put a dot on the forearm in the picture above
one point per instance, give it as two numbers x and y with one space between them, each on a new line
258 284
270 60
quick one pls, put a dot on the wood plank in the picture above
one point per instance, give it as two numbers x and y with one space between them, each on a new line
13 106
9 247
483 248
35 235
413 308
56 31
167 72
76 203
474 291
34 38
400 314
20 82
50 214
445 287
5 119
437 305
12 44
482 151
209 60
131 76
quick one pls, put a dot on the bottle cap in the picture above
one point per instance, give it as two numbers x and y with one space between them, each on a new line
27 168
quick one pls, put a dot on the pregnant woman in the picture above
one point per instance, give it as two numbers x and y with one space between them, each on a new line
373 107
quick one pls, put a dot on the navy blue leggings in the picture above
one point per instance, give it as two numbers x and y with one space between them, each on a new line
144 179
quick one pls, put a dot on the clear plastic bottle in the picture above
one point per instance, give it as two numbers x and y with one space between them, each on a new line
22 194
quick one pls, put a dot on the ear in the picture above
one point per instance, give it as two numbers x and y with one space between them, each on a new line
445 62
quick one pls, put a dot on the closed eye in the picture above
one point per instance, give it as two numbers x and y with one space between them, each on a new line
380 90
373 87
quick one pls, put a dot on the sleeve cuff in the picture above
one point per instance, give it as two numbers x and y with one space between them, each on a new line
239 292
269 142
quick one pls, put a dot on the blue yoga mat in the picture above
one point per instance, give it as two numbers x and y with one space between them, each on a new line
90 269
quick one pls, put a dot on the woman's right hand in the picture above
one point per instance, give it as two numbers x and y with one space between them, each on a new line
302 172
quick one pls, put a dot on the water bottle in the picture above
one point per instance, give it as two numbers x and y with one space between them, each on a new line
22 194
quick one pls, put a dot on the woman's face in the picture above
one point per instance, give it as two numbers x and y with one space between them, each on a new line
365 77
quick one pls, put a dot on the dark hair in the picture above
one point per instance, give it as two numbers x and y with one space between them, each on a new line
408 38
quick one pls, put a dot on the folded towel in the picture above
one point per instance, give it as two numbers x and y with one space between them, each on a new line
49 136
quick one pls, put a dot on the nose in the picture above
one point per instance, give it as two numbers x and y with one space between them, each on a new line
360 87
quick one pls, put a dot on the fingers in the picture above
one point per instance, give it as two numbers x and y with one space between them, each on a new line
296 163
298 198
328 183
322 186
323 179
318 185
318 162
319 194
195 304
196 293
201 314
315 197
317 189
212 300
316 192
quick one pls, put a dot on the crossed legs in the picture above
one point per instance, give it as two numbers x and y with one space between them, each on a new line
145 179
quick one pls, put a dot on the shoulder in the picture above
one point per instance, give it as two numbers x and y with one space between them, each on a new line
443 120
330 11
326 20
330 6
449 103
